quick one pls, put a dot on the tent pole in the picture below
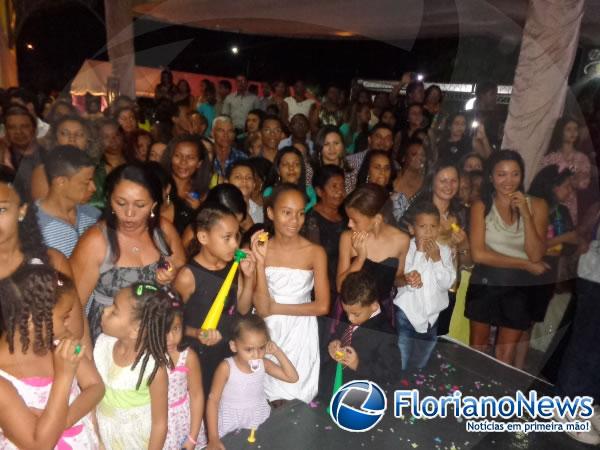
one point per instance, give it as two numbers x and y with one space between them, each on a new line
8 51
119 41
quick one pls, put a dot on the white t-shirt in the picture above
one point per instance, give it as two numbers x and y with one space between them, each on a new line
295 107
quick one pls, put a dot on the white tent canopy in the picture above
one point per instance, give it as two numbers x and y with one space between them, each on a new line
93 75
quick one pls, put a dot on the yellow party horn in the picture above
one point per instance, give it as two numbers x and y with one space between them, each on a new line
455 227
214 314
252 437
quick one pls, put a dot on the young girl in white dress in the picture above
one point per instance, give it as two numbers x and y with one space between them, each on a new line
131 356
48 388
237 398
186 396
288 267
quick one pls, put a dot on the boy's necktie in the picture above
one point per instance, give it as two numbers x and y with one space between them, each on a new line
347 336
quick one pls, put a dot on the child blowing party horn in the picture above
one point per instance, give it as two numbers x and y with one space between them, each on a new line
214 314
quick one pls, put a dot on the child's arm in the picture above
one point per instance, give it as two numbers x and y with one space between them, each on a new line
566 238
196 395
92 391
320 306
246 281
185 285
285 371
443 270
212 406
25 429
159 403
262 297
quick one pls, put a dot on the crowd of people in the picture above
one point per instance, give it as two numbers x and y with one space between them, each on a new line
352 220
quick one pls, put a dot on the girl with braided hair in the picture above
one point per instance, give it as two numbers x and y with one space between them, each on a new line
21 242
131 356
47 387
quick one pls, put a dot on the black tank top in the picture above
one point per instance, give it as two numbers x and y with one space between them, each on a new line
208 282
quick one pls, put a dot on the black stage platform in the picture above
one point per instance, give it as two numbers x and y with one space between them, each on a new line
297 426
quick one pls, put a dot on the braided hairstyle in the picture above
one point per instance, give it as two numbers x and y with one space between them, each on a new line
151 310
29 293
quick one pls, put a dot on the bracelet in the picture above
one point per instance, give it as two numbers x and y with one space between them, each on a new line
192 440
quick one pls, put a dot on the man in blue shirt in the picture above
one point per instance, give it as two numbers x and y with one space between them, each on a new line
63 215
225 155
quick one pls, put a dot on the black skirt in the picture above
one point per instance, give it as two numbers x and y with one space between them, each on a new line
507 298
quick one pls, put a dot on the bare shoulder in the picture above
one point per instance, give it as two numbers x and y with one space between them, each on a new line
192 360
93 238
539 205
346 236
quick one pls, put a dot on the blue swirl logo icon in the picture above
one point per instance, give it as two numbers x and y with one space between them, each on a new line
358 406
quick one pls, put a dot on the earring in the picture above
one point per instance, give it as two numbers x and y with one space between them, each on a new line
21 218
367 179
152 214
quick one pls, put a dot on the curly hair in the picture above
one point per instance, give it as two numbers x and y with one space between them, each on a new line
92 148
152 310
29 293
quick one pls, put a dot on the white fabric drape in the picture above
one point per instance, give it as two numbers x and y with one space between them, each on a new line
549 45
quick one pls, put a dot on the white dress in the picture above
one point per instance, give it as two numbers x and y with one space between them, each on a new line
297 336
35 392
124 413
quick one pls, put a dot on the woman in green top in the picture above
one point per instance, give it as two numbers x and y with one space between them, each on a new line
357 127
289 167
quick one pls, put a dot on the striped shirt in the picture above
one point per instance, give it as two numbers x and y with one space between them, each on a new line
62 235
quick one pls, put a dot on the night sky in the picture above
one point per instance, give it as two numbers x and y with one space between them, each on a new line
64 35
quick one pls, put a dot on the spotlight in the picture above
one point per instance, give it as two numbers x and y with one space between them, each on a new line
235 50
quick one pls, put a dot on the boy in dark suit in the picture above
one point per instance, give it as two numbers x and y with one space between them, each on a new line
366 345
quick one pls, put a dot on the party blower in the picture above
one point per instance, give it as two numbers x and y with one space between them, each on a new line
339 377
215 311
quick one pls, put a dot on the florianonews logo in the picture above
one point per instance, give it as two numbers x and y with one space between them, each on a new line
358 405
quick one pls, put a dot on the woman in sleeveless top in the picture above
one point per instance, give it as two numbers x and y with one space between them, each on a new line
507 241
131 243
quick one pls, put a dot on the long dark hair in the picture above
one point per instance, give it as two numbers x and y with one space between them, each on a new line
28 296
557 133
546 180
426 195
275 176
317 159
363 172
487 187
152 310
202 177
142 175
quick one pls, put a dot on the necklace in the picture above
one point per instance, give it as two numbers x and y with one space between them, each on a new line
135 249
